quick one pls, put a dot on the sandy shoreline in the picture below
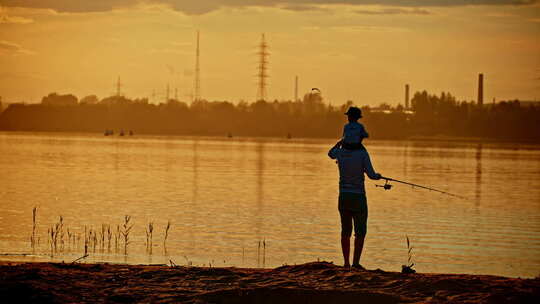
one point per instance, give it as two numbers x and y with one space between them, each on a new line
317 282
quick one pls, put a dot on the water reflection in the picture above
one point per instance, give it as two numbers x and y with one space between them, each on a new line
195 167
405 159
478 158
259 188
243 191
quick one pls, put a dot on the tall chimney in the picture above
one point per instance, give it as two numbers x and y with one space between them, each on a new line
406 97
296 89
480 89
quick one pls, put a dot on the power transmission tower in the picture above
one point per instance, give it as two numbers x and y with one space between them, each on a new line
262 70
197 84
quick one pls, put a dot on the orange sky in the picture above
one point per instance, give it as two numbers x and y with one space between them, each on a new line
363 50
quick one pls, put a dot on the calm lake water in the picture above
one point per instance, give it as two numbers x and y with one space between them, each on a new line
224 196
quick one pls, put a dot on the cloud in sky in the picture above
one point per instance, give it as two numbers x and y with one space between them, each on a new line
394 11
13 48
5 19
205 6
303 8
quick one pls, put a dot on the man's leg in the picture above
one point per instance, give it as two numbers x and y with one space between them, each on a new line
346 231
358 246
360 230
346 249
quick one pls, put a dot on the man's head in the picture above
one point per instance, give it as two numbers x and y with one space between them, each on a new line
354 113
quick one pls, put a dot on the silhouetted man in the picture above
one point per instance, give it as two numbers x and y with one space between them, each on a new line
352 202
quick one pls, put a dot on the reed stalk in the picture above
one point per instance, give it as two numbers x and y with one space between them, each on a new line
408 268
126 229
116 238
109 237
34 224
149 235
60 228
264 252
85 240
166 235
259 254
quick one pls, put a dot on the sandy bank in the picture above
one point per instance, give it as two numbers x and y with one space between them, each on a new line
318 282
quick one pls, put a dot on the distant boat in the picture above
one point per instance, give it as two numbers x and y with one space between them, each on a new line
229 135
121 132
130 133
289 136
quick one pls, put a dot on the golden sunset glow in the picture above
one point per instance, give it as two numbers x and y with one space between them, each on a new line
363 51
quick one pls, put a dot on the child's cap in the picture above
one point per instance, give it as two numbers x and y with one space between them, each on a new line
354 111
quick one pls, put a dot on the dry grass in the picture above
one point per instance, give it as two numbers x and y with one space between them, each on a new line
34 227
126 230
408 268
149 236
166 235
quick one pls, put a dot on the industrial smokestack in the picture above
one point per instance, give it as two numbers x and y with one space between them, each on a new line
406 97
480 89
296 88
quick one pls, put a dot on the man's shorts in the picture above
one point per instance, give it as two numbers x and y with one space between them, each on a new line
353 207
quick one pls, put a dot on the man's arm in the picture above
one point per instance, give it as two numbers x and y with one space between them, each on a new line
368 168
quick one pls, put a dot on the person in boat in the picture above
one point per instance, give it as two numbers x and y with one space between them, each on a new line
352 201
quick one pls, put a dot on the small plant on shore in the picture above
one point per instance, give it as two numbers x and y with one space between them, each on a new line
149 235
69 236
56 231
259 254
60 228
263 243
264 252
117 238
109 237
408 268
86 240
126 229
102 235
34 223
166 235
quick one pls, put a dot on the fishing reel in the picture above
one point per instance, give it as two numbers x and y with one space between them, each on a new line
386 185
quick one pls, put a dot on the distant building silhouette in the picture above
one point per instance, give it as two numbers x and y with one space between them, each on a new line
296 88
480 89
406 97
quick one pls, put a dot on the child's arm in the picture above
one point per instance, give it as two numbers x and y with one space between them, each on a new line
363 132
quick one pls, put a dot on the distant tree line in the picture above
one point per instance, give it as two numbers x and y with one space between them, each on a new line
430 115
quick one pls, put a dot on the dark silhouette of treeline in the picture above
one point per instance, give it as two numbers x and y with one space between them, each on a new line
430 115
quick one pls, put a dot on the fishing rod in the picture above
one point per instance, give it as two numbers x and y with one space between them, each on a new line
388 186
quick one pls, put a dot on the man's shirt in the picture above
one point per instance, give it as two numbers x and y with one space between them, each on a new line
352 166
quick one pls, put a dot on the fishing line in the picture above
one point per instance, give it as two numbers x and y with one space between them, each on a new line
388 186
